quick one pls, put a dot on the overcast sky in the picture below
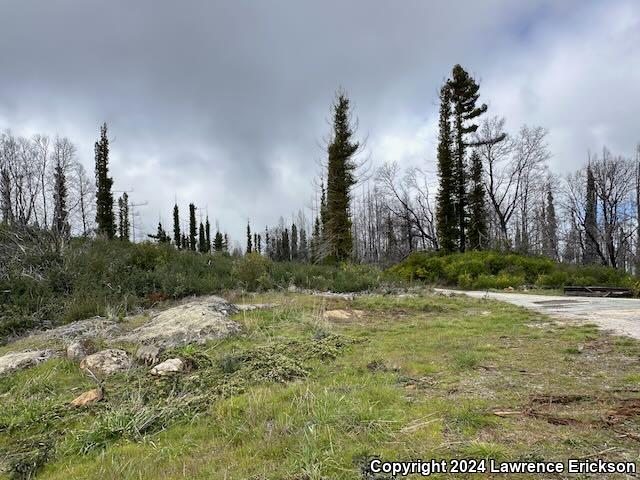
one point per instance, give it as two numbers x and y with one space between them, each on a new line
226 103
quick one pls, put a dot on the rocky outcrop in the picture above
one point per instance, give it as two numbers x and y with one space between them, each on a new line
196 321
168 367
96 327
106 362
12 362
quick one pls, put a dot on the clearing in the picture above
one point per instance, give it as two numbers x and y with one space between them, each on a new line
298 394
618 315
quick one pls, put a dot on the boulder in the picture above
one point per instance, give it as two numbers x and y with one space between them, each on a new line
148 354
14 361
88 397
77 350
195 321
90 328
106 362
168 367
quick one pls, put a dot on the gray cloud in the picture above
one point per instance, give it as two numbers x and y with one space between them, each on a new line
225 103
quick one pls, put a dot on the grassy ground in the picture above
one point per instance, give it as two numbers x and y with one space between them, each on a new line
301 397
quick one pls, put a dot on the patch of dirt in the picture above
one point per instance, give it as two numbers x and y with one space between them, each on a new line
558 399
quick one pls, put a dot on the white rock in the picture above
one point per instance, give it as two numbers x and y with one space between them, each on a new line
196 321
168 367
107 362
15 361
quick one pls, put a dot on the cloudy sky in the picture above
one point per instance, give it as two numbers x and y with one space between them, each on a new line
226 103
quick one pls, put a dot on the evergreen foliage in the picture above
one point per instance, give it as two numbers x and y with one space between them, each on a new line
551 228
445 201
105 218
218 242
202 242
340 179
249 241
294 242
477 206
207 236
590 255
176 227
192 227
60 212
285 253
123 217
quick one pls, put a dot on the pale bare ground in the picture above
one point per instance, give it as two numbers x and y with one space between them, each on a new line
617 315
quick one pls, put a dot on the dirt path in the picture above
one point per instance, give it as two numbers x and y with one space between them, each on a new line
619 315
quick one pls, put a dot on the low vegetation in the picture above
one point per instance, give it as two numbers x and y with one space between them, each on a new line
498 270
303 395
41 287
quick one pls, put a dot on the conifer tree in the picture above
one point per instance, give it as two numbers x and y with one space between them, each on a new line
477 203
184 244
445 200
60 213
255 243
464 95
303 247
192 227
105 218
225 246
551 228
218 242
323 208
286 246
340 179
249 242
176 226
294 242
590 255
123 217
259 244
161 235
201 239
207 235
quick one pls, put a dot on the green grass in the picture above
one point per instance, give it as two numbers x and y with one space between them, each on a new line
301 397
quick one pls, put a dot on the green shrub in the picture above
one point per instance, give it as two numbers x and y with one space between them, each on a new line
249 269
488 269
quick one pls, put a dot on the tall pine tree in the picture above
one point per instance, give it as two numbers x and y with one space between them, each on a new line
294 242
202 241
176 226
207 236
105 219
61 225
590 255
464 95
249 241
192 227
340 180
445 200
477 202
